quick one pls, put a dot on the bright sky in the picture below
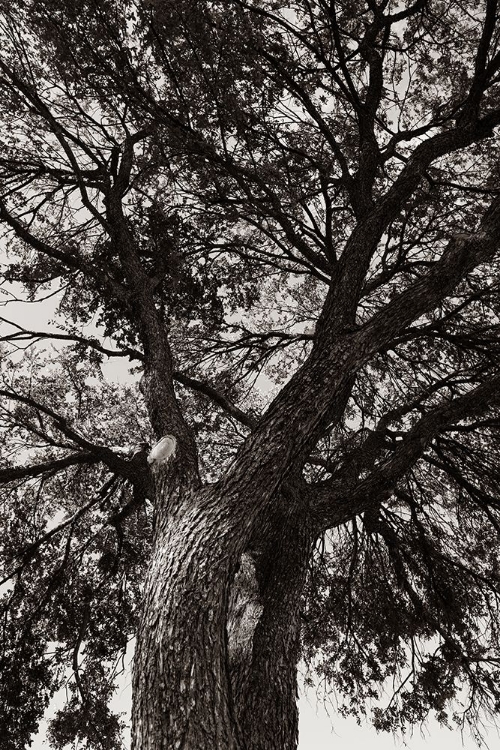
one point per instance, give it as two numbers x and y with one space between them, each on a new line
322 730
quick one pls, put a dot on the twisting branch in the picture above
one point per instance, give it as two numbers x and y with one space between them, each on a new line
341 498
101 452
27 553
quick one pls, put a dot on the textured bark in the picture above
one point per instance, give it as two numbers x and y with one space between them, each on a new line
180 685
266 693
201 681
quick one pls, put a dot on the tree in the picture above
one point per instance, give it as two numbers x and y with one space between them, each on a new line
286 216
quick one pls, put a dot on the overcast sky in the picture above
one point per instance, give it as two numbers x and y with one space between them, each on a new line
320 731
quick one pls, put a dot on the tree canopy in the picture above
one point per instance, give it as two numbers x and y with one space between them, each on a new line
284 218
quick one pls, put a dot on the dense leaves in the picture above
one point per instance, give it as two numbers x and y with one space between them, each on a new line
224 196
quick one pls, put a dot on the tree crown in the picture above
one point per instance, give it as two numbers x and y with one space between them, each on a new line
285 217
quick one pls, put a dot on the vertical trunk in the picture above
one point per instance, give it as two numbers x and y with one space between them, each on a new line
264 676
184 697
181 694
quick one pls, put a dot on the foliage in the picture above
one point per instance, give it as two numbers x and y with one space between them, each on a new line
222 176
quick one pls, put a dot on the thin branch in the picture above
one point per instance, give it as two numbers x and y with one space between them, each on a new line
24 334
101 452
27 554
216 397
22 472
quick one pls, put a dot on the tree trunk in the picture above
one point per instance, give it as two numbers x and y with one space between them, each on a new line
266 696
181 694
201 681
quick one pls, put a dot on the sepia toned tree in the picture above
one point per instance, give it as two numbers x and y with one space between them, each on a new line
284 219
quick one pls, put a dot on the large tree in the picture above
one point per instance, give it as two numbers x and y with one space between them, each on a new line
286 216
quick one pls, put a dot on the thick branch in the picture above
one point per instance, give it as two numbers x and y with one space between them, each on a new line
157 385
315 396
334 502
343 297
462 255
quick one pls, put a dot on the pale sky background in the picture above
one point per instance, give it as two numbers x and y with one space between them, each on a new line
324 730
319 729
